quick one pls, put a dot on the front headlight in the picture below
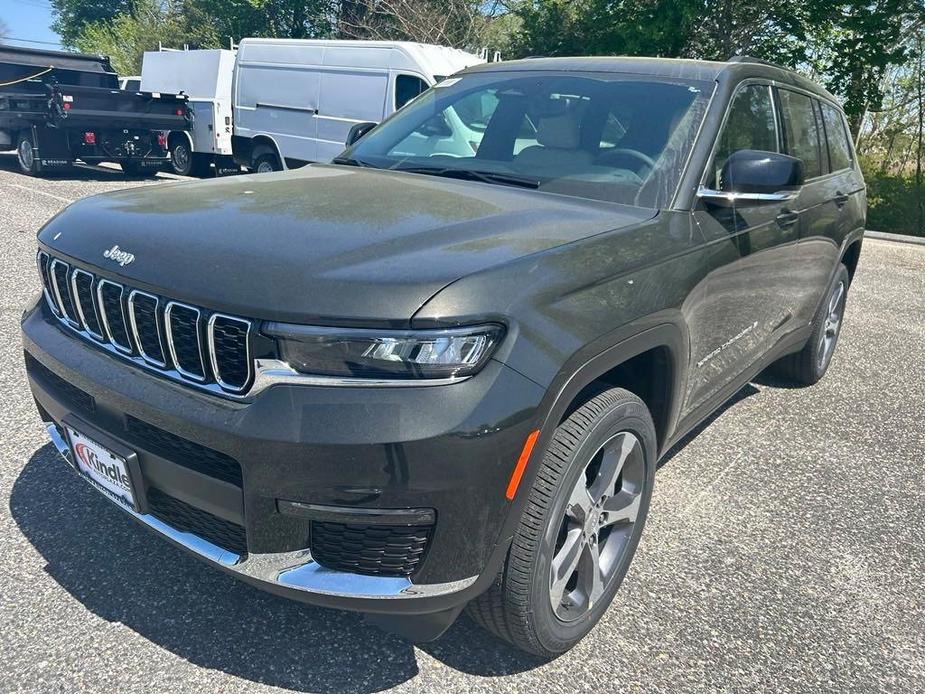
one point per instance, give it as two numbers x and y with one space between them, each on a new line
390 354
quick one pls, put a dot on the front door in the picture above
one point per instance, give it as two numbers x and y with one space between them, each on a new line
749 301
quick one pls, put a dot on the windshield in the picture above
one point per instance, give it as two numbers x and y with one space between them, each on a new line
615 137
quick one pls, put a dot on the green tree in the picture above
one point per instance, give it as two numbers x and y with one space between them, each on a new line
126 37
71 16
237 19
852 45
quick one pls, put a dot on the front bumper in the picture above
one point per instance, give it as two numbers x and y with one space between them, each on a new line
295 571
450 449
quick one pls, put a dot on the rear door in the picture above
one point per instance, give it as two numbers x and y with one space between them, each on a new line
817 252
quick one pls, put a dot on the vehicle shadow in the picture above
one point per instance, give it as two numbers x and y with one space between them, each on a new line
78 172
123 574
744 392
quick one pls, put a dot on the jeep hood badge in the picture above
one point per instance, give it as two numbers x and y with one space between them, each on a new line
120 256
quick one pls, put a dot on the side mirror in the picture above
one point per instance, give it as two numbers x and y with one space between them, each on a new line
358 131
753 177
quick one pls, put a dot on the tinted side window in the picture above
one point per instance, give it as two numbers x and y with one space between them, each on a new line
750 125
406 88
837 137
802 129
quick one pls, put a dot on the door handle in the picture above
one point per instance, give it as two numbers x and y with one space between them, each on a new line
787 219
840 199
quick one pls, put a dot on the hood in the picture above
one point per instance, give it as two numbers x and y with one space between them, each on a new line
322 243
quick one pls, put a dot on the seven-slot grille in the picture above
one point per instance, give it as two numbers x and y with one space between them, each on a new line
180 341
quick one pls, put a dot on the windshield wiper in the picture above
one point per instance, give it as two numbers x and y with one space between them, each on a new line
471 175
347 161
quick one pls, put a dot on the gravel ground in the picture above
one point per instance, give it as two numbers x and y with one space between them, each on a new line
785 548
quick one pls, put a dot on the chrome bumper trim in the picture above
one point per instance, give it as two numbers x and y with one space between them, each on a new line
295 570
59 441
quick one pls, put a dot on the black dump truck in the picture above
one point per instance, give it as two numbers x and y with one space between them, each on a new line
57 107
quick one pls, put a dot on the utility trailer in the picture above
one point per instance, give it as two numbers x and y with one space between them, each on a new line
57 107
204 76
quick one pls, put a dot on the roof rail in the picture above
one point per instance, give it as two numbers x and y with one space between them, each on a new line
752 59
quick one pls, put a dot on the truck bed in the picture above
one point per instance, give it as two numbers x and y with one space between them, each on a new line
91 107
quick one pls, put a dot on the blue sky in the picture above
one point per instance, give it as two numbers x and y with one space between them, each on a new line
28 19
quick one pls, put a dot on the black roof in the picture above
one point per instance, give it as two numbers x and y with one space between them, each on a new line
681 68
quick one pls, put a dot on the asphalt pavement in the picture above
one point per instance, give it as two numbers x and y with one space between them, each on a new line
785 549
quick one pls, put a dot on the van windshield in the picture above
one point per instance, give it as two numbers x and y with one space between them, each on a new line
615 137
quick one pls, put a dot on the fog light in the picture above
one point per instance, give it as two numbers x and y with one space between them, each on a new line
89 138
162 140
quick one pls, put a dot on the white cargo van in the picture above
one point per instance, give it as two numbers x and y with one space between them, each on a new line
296 100
205 77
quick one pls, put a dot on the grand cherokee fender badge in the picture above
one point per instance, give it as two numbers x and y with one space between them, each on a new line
120 256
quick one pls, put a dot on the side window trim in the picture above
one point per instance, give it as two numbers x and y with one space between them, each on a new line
778 130
823 139
783 144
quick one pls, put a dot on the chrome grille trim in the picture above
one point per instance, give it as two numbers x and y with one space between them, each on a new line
56 290
78 304
43 260
122 349
172 348
216 371
133 351
160 363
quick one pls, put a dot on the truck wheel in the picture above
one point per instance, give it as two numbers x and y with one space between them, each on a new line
267 163
807 366
579 530
25 155
181 157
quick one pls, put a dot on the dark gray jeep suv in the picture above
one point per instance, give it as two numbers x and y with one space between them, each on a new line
440 371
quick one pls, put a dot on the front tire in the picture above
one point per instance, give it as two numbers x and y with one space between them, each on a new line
808 366
580 529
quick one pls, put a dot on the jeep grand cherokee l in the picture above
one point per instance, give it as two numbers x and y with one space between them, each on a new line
440 371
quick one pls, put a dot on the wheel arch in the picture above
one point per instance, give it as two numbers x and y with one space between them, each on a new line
262 144
651 364
174 135
851 255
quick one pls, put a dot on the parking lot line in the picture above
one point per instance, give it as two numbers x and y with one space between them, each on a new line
37 192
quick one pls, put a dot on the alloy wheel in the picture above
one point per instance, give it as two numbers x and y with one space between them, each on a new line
181 157
26 156
833 319
597 526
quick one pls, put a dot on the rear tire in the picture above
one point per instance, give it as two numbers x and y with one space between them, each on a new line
25 155
808 366
267 163
185 162
579 530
